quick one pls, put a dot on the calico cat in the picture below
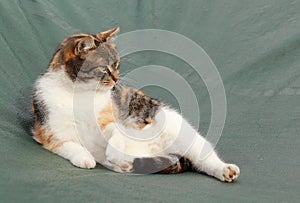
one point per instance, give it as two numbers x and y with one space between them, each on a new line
83 114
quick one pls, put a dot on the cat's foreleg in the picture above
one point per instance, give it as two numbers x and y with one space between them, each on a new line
64 146
77 155
205 159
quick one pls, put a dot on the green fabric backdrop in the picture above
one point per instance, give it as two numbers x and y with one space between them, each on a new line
256 48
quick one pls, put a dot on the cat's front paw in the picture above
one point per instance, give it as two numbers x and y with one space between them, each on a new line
230 173
84 161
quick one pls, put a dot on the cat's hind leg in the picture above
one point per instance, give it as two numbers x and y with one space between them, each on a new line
195 148
116 158
205 159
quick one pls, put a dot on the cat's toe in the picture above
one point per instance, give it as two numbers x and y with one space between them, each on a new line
91 163
84 162
127 166
230 173
124 167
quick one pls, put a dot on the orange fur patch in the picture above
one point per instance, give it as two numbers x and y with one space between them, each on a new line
55 63
44 136
124 92
148 120
140 92
63 55
106 117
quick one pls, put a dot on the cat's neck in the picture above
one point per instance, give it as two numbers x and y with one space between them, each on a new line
60 78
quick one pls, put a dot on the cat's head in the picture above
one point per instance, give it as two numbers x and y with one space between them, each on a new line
89 58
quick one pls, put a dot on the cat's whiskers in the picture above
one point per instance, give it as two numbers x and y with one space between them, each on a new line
121 84
128 82
123 51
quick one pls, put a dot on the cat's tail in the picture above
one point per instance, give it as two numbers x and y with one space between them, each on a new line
171 163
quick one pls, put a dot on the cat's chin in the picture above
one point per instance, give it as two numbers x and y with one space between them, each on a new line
105 88
92 86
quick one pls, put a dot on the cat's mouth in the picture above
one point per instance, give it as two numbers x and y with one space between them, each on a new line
108 83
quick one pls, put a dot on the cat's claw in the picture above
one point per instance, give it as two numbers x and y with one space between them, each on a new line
84 162
230 173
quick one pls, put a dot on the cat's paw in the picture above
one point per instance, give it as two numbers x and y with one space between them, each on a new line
230 173
124 167
127 166
84 161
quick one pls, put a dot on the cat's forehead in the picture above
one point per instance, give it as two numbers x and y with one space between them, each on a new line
105 54
107 48
98 42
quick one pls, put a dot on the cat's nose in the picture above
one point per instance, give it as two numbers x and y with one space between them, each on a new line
115 76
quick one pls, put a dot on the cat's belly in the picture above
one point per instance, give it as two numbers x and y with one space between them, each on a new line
174 135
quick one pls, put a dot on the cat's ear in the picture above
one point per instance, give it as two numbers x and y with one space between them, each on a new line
84 45
108 34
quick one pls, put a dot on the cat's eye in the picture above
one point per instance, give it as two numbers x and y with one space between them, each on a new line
116 65
97 42
103 69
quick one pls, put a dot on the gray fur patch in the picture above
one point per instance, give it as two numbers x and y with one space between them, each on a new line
134 105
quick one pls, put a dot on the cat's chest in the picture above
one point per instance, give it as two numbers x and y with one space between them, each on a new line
86 111
67 98
87 105
73 108
82 106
